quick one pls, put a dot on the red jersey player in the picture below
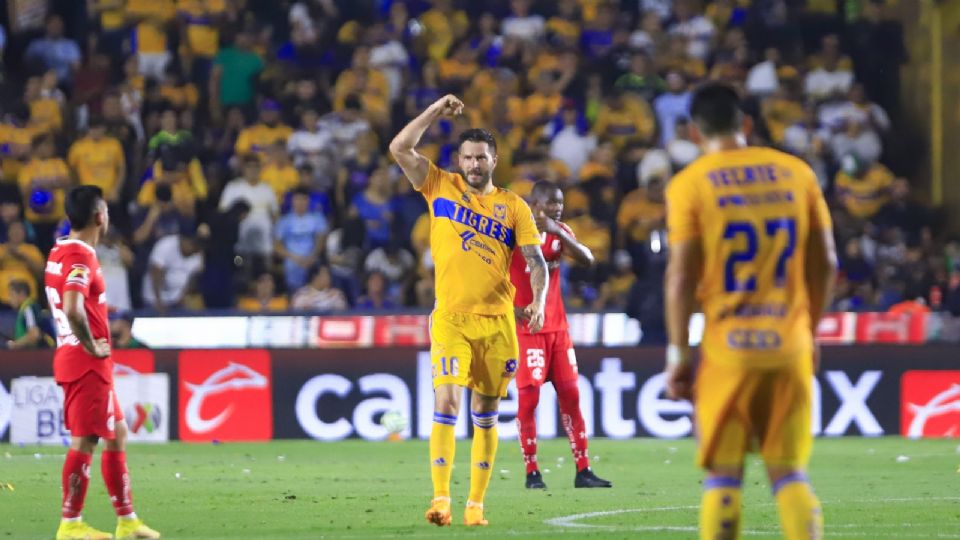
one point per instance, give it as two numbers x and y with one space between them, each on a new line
548 355
82 366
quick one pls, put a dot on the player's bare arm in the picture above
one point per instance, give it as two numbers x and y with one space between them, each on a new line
571 246
680 283
533 313
403 147
80 326
820 273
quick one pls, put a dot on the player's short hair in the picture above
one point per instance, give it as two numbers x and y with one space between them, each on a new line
19 286
542 190
81 205
478 135
715 108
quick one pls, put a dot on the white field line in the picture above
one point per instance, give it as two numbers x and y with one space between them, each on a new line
572 521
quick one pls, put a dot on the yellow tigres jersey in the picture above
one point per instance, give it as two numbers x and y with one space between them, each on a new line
472 238
752 210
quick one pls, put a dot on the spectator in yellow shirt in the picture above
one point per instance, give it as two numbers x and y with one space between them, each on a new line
591 233
443 26
782 110
279 172
264 297
179 93
863 189
16 138
458 70
257 138
623 120
113 27
98 160
543 104
186 181
43 183
19 261
199 26
642 211
565 25
369 83
149 38
46 102
677 58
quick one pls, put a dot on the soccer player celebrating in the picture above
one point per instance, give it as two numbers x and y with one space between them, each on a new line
82 366
750 236
548 354
474 227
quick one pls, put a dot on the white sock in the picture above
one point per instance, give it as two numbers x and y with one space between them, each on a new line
72 520
131 515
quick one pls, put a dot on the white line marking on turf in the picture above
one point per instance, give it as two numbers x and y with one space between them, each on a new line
572 521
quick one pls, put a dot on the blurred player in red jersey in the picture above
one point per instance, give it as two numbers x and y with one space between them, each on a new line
548 355
82 365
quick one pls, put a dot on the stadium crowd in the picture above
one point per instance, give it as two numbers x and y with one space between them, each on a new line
241 143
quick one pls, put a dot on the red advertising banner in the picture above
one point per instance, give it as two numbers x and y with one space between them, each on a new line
412 330
930 404
132 361
891 328
837 328
355 331
225 395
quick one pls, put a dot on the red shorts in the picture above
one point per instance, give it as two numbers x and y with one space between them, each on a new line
546 357
90 407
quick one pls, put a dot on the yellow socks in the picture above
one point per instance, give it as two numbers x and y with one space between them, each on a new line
482 454
443 447
720 509
800 513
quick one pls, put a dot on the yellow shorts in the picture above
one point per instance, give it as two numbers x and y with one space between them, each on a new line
476 351
739 410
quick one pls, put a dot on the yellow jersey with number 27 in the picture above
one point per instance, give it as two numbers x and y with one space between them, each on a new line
472 238
752 210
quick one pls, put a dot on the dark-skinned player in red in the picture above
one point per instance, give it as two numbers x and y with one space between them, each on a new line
548 355
74 286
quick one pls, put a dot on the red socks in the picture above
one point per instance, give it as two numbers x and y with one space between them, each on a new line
113 465
527 425
74 481
568 395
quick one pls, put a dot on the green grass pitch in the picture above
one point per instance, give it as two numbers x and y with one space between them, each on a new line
356 489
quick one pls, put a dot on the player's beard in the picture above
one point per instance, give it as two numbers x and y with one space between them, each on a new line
478 179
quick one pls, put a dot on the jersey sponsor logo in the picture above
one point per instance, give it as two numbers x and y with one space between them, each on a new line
755 199
747 338
767 173
466 236
930 404
54 268
484 225
225 395
469 241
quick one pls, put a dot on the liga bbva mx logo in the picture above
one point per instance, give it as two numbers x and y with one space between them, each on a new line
144 416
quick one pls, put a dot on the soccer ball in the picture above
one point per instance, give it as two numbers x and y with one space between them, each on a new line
393 421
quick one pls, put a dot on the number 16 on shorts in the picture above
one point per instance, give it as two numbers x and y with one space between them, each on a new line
448 367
